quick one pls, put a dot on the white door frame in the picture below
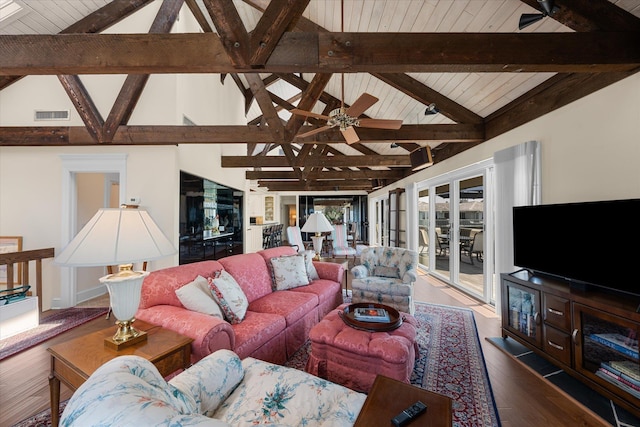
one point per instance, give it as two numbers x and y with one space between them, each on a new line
71 165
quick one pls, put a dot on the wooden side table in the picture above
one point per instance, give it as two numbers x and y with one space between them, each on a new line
73 361
389 397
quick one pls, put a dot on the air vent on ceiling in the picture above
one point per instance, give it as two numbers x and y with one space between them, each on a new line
51 115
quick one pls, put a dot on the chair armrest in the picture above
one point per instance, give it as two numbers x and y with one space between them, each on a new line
359 272
209 333
410 276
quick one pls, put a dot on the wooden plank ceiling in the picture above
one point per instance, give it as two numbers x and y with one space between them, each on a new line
469 58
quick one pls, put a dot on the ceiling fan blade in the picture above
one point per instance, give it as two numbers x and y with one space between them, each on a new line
314 131
308 114
350 135
361 104
380 123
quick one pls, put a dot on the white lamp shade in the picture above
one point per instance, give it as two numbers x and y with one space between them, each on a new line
116 236
317 223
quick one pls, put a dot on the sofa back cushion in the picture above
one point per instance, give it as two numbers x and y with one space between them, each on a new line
160 286
251 273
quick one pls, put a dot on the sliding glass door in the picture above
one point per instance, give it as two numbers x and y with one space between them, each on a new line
454 230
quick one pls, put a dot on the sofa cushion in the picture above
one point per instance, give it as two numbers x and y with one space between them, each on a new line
196 296
291 305
289 272
255 330
229 296
251 273
159 287
324 289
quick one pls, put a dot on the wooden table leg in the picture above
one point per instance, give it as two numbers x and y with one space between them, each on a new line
54 391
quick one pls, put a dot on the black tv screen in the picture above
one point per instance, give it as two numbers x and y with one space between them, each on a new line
590 243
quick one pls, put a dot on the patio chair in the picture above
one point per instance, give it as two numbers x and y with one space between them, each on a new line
443 244
424 239
386 276
294 237
339 241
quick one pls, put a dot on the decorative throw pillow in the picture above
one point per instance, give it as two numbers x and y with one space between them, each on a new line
229 296
289 272
311 269
391 272
196 296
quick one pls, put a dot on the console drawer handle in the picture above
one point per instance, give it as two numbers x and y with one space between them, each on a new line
556 346
556 312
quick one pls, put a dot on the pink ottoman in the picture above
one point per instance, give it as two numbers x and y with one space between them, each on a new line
353 358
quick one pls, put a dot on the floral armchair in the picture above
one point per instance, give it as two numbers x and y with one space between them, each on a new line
220 390
386 276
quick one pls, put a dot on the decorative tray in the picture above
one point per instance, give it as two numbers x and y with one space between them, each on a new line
348 316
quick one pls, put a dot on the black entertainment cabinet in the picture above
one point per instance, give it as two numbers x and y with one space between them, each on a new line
590 333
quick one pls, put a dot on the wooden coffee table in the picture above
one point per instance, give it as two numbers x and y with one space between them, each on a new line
389 397
73 361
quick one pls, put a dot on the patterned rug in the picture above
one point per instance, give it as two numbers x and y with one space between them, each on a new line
49 327
450 363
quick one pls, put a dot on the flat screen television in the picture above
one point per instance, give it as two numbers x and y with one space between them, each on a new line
588 244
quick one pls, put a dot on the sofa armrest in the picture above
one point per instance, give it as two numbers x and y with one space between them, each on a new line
329 271
210 381
359 272
209 333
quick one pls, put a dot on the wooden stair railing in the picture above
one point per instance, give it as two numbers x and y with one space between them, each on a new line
23 258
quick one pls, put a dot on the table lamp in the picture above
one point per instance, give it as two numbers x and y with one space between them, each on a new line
317 223
119 236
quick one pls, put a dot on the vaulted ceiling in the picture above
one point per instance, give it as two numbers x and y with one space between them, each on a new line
484 75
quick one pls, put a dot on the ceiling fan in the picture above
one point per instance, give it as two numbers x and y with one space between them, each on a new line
347 119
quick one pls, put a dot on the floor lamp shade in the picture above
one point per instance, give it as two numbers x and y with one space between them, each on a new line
317 223
119 237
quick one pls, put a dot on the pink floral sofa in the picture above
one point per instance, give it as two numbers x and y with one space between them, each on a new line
276 323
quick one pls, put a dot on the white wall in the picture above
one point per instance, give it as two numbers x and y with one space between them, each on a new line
590 148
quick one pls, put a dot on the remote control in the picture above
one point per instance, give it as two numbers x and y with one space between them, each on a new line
406 416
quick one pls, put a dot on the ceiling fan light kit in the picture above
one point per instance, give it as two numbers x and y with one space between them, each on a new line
421 158
548 8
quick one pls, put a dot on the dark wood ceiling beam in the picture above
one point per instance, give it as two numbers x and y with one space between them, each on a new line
315 186
199 16
305 52
279 16
331 161
84 105
230 28
224 134
269 112
134 84
342 174
95 22
424 94
556 92
407 133
309 98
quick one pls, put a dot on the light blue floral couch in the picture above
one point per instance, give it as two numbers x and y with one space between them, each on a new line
220 390
386 276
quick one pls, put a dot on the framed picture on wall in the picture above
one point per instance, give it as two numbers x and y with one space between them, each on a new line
10 244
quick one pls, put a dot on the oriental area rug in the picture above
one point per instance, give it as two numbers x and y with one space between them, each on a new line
49 327
450 363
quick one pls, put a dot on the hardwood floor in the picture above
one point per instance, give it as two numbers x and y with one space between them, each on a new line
522 397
